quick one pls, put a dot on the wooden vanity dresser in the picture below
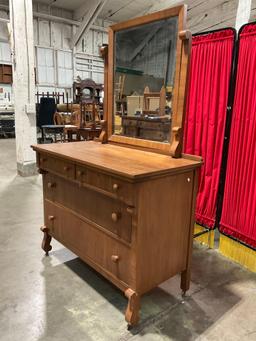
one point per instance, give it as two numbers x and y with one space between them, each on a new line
124 205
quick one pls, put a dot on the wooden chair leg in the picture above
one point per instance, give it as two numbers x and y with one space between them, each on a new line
46 240
185 281
133 308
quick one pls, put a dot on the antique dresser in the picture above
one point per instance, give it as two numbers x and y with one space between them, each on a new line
126 205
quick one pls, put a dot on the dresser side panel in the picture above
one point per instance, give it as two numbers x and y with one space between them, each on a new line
164 215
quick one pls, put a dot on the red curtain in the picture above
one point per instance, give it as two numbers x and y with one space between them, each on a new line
210 71
239 202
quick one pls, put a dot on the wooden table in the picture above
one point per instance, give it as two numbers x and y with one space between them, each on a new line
53 129
86 133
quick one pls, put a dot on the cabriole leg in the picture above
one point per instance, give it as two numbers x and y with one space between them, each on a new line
46 240
133 308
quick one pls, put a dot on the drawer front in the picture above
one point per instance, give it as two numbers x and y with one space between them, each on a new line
89 242
55 165
122 190
156 126
129 122
153 135
130 131
98 208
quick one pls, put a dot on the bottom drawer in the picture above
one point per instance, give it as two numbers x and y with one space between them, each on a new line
90 243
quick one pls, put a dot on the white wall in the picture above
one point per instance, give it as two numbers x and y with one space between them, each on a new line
57 64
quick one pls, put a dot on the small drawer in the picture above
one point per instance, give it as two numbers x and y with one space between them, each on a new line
124 191
89 243
62 167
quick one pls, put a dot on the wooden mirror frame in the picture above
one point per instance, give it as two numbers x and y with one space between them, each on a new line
174 147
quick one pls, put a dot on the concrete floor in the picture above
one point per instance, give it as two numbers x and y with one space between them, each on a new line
59 298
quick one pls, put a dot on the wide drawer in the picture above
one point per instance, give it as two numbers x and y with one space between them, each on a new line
58 166
122 190
107 212
89 243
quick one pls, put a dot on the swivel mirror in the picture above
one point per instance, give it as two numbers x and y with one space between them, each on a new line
146 79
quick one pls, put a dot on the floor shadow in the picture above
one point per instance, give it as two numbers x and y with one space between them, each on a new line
93 309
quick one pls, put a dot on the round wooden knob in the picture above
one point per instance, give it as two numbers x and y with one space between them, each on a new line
115 258
115 187
80 173
51 185
188 180
66 168
51 217
43 159
130 210
115 216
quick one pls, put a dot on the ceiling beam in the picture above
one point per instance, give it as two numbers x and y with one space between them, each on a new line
88 20
159 5
81 11
57 19
144 43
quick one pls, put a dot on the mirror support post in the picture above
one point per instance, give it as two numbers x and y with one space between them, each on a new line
103 136
177 141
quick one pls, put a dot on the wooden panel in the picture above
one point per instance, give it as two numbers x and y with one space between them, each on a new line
122 190
7 70
56 35
35 31
164 212
129 163
67 35
89 243
153 135
97 41
205 15
253 11
4 34
45 65
7 79
63 167
44 32
5 74
5 52
65 68
106 212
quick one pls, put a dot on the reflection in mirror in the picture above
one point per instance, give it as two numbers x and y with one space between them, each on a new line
145 58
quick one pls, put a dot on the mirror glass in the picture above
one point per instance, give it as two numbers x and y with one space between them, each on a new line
144 72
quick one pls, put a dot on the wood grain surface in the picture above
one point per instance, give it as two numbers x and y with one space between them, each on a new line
130 163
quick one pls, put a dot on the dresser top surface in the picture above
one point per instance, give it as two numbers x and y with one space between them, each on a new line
123 161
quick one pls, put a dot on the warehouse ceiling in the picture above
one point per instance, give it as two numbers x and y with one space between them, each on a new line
114 10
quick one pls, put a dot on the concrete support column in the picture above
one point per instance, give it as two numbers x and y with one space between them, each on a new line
22 45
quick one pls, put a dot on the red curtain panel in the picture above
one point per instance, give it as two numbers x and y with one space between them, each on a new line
239 203
210 72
